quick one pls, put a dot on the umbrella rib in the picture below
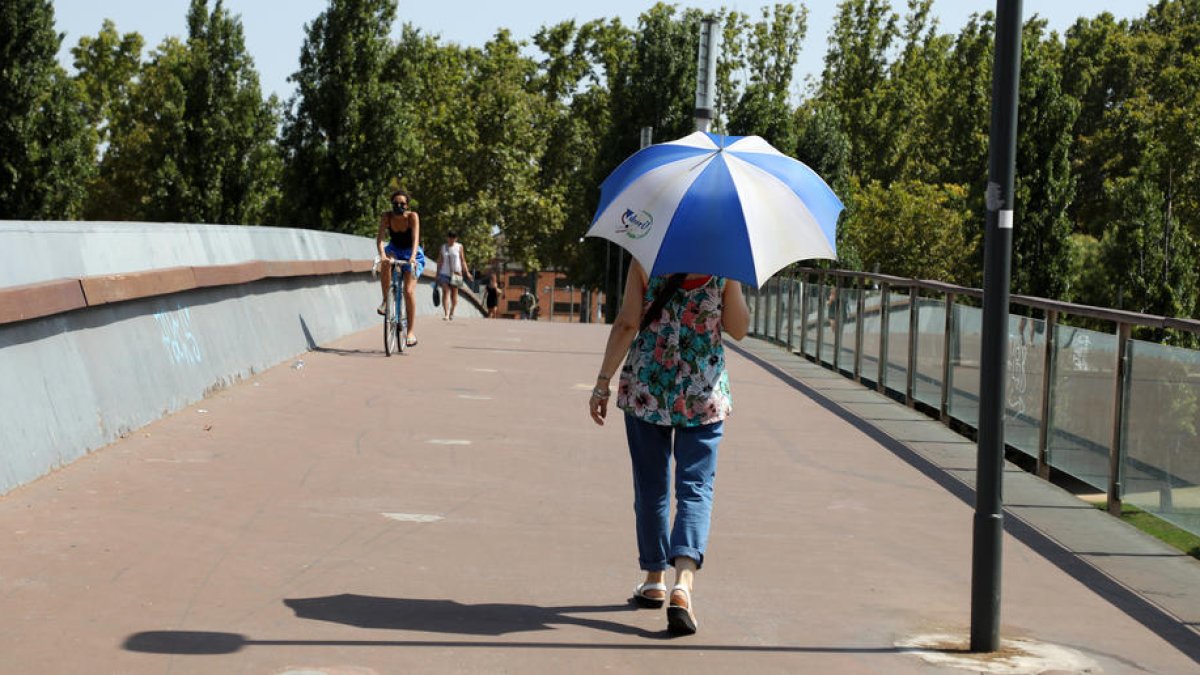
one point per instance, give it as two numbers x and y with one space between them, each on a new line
705 158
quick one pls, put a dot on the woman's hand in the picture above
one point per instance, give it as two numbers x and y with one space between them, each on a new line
598 404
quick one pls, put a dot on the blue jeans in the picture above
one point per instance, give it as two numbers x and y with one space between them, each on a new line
651 447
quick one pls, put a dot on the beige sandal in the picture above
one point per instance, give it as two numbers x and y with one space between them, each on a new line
649 601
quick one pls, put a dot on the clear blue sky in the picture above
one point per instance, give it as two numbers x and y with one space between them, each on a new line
275 29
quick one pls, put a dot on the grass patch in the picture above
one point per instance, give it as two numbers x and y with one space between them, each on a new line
1158 528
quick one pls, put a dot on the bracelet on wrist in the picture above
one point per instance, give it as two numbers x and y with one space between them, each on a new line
601 394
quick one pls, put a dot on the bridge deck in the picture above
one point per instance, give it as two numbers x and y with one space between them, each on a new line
454 510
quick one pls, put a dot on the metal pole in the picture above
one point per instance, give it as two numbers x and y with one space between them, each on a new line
885 325
914 338
607 288
1047 414
805 294
860 311
1121 384
706 72
997 276
947 371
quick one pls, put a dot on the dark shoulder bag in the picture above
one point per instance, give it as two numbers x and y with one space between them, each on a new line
664 295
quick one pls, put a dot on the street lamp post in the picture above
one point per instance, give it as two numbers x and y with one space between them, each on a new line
997 276
706 72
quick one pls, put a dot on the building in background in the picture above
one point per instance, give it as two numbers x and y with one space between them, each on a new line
552 297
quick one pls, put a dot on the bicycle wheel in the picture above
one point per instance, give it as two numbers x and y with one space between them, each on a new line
401 319
389 325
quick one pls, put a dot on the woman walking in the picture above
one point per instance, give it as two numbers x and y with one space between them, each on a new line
675 394
452 267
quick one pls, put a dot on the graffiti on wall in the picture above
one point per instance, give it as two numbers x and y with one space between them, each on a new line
177 337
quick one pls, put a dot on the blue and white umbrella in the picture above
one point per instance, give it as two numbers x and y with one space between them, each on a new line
732 206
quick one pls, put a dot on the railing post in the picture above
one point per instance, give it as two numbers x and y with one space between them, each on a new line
885 321
778 307
1043 449
791 313
914 319
835 323
947 334
820 316
1121 377
804 295
757 312
859 312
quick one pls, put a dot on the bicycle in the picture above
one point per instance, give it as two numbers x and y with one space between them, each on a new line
395 323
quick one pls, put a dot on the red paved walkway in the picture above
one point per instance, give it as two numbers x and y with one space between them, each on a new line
454 510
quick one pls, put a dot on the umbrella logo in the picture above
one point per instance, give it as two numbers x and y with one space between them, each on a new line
636 224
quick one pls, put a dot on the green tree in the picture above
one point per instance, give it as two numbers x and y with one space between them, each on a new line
107 66
46 145
908 228
764 108
194 142
856 75
346 132
1150 262
1041 254
917 80
1139 86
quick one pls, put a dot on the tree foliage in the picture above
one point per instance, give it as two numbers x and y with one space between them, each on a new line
507 143
190 137
46 144
345 132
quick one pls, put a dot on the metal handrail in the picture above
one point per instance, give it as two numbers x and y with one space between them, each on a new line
834 282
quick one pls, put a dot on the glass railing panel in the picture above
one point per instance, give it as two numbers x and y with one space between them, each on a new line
792 322
812 302
871 328
965 340
752 303
931 340
769 306
897 352
1161 467
1081 419
827 300
1023 388
847 325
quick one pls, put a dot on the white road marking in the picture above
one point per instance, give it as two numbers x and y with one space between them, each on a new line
412 517
448 441
475 397
484 370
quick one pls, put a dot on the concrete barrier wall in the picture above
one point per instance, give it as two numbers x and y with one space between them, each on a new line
41 251
74 381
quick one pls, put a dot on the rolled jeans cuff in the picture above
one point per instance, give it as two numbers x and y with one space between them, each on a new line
686 552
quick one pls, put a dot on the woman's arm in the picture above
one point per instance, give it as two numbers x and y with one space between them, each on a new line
735 314
620 337
416 229
462 253
381 236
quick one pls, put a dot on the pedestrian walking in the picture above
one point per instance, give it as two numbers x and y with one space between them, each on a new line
674 391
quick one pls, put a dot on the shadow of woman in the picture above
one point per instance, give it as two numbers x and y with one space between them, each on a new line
449 616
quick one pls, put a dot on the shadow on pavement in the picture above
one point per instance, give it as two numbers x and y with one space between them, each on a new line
448 616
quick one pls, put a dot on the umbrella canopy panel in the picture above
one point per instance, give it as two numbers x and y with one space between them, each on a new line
727 205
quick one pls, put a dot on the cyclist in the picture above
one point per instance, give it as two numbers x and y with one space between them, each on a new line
401 228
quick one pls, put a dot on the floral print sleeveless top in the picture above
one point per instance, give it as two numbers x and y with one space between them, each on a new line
675 372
